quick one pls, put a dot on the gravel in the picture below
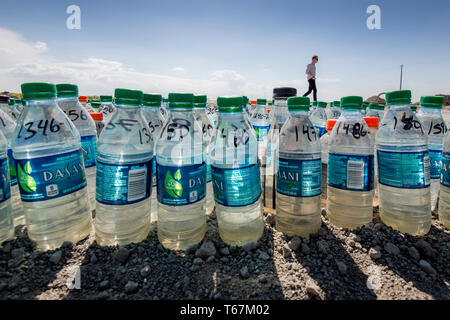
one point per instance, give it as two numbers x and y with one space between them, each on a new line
335 263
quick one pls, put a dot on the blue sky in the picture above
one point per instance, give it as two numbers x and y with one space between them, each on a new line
227 47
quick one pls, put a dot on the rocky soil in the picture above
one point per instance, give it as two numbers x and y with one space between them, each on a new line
373 262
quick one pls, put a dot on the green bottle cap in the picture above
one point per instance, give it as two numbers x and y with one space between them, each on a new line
336 103
352 102
230 104
261 102
66 90
200 101
298 103
106 98
95 104
314 103
398 97
127 97
321 104
432 102
151 100
181 100
38 90
376 106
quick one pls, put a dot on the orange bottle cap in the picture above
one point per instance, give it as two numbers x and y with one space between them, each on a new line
97 116
83 99
372 122
330 124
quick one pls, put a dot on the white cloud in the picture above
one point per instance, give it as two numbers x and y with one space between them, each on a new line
40 46
178 69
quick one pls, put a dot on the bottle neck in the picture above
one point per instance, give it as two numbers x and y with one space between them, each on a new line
352 113
299 113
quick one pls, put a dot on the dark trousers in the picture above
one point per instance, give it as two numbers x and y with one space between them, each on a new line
312 88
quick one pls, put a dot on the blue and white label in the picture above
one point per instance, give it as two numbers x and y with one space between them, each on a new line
445 169
299 178
178 186
350 171
320 131
435 163
5 187
89 146
122 184
407 170
50 177
12 168
261 132
236 187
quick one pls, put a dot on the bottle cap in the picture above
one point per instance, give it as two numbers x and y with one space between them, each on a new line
230 104
83 99
200 101
314 103
352 102
4 99
261 102
97 116
181 100
127 97
66 90
284 92
95 104
432 102
151 100
376 106
330 124
336 104
38 90
11 102
372 122
106 98
321 104
398 97
298 103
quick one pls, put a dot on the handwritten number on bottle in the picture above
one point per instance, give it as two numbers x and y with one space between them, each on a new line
43 125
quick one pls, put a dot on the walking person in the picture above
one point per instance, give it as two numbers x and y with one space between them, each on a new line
311 75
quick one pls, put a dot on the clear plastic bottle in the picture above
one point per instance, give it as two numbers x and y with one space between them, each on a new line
181 182
350 168
98 119
444 192
299 173
312 107
85 103
50 170
319 118
260 121
7 127
207 131
279 114
324 148
335 110
13 112
164 110
151 104
375 110
433 124
365 108
100 124
374 123
106 107
4 100
403 167
6 220
68 102
236 176
124 173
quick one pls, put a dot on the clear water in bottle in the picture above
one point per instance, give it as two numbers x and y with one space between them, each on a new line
299 173
279 114
444 192
151 104
350 168
318 118
236 176
403 167
433 124
207 131
324 150
6 220
181 182
106 107
7 127
68 102
373 123
50 170
335 110
124 173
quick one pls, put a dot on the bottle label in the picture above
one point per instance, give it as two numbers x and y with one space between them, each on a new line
435 163
261 132
5 187
299 178
407 170
178 186
445 170
12 168
236 187
350 171
51 177
122 184
89 146
320 131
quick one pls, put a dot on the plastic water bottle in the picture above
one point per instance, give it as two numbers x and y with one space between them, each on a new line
414 109
7 127
164 110
68 102
13 112
260 121
207 131
50 170
98 119
444 192
403 167
433 124
374 123
151 104
324 149
319 118
280 114
124 173
181 182
211 111
106 107
4 100
299 173
350 168
236 176
312 107
375 110
365 108
335 110
6 220
85 103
